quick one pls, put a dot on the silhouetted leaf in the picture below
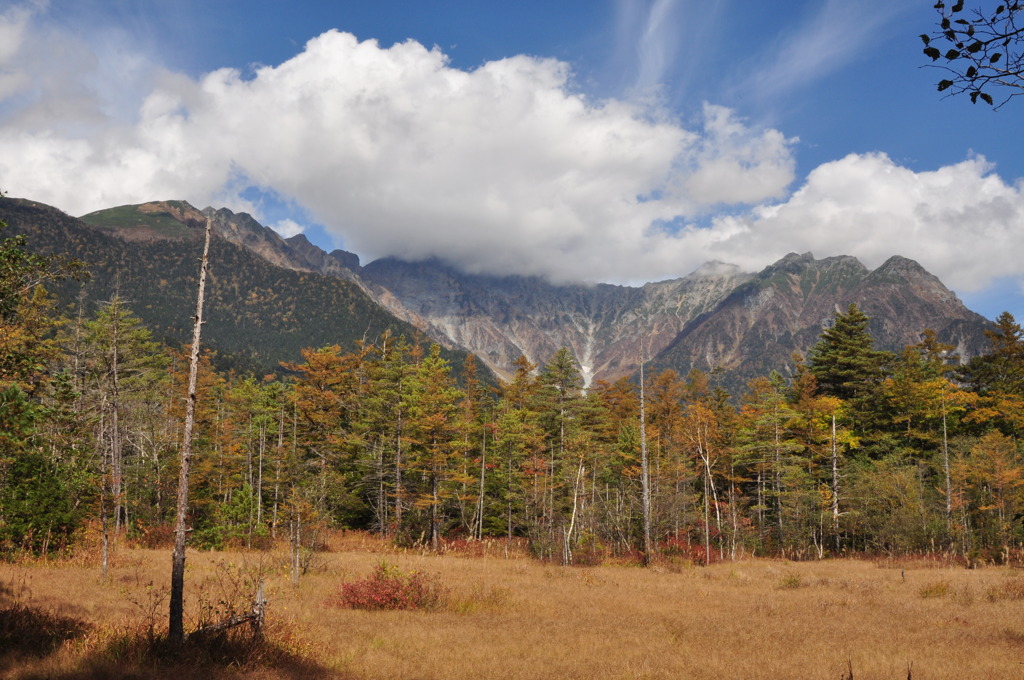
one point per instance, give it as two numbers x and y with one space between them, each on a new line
945 85
995 57
925 39
952 54
987 98
975 46
932 52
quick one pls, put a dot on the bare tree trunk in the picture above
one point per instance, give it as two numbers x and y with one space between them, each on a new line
435 534
508 506
104 487
259 472
176 631
835 483
115 426
398 475
296 540
645 473
945 460
567 534
777 484
483 472
277 472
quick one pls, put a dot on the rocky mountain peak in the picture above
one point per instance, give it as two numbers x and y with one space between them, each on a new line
715 317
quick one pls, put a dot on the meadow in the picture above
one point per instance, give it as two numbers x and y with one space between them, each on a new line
509 616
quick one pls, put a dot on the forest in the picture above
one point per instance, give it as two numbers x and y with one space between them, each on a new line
859 452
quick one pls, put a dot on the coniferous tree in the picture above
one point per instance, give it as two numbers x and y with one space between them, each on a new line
517 446
436 438
844 360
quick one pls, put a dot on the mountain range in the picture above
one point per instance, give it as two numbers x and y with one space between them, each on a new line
717 317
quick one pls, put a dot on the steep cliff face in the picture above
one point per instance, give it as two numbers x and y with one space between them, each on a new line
336 263
714 318
783 310
609 328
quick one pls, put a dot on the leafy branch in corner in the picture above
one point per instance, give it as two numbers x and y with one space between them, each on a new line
982 49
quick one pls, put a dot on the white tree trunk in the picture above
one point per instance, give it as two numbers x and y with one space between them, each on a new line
176 631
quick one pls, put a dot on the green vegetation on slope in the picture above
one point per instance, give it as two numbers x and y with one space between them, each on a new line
258 314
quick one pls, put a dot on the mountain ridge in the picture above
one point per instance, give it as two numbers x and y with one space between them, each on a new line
259 313
716 317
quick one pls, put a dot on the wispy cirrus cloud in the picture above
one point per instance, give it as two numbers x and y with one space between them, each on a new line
836 34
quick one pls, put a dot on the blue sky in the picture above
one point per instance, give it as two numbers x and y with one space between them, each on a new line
609 140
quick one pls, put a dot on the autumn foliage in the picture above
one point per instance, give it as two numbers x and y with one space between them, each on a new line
388 587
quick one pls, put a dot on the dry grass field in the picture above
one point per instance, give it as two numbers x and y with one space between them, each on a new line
517 618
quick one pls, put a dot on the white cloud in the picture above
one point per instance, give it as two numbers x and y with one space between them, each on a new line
504 169
838 33
961 222
287 228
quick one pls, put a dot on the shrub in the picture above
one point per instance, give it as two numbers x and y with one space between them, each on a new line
791 582
936 589
1012 589
391 588
589 551
683 548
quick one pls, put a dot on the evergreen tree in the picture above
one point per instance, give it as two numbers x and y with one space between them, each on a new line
560 401
844 360
768 440
436 438
998 377
1002 368
518 443
122 369
383 430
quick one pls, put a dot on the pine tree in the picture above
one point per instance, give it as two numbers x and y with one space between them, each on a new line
844 360
518 440
437 440
122 367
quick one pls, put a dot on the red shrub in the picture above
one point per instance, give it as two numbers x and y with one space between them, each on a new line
391 588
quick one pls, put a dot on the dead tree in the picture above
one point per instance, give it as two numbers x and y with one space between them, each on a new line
645 474
176 631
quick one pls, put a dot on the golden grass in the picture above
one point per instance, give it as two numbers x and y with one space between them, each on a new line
517 618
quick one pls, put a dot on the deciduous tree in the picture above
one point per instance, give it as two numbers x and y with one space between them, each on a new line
978 44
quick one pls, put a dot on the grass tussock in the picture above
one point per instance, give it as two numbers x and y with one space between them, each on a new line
934 589
791 582
1010 589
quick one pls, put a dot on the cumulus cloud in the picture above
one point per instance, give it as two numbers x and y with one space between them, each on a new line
503 169
287 227
961 222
